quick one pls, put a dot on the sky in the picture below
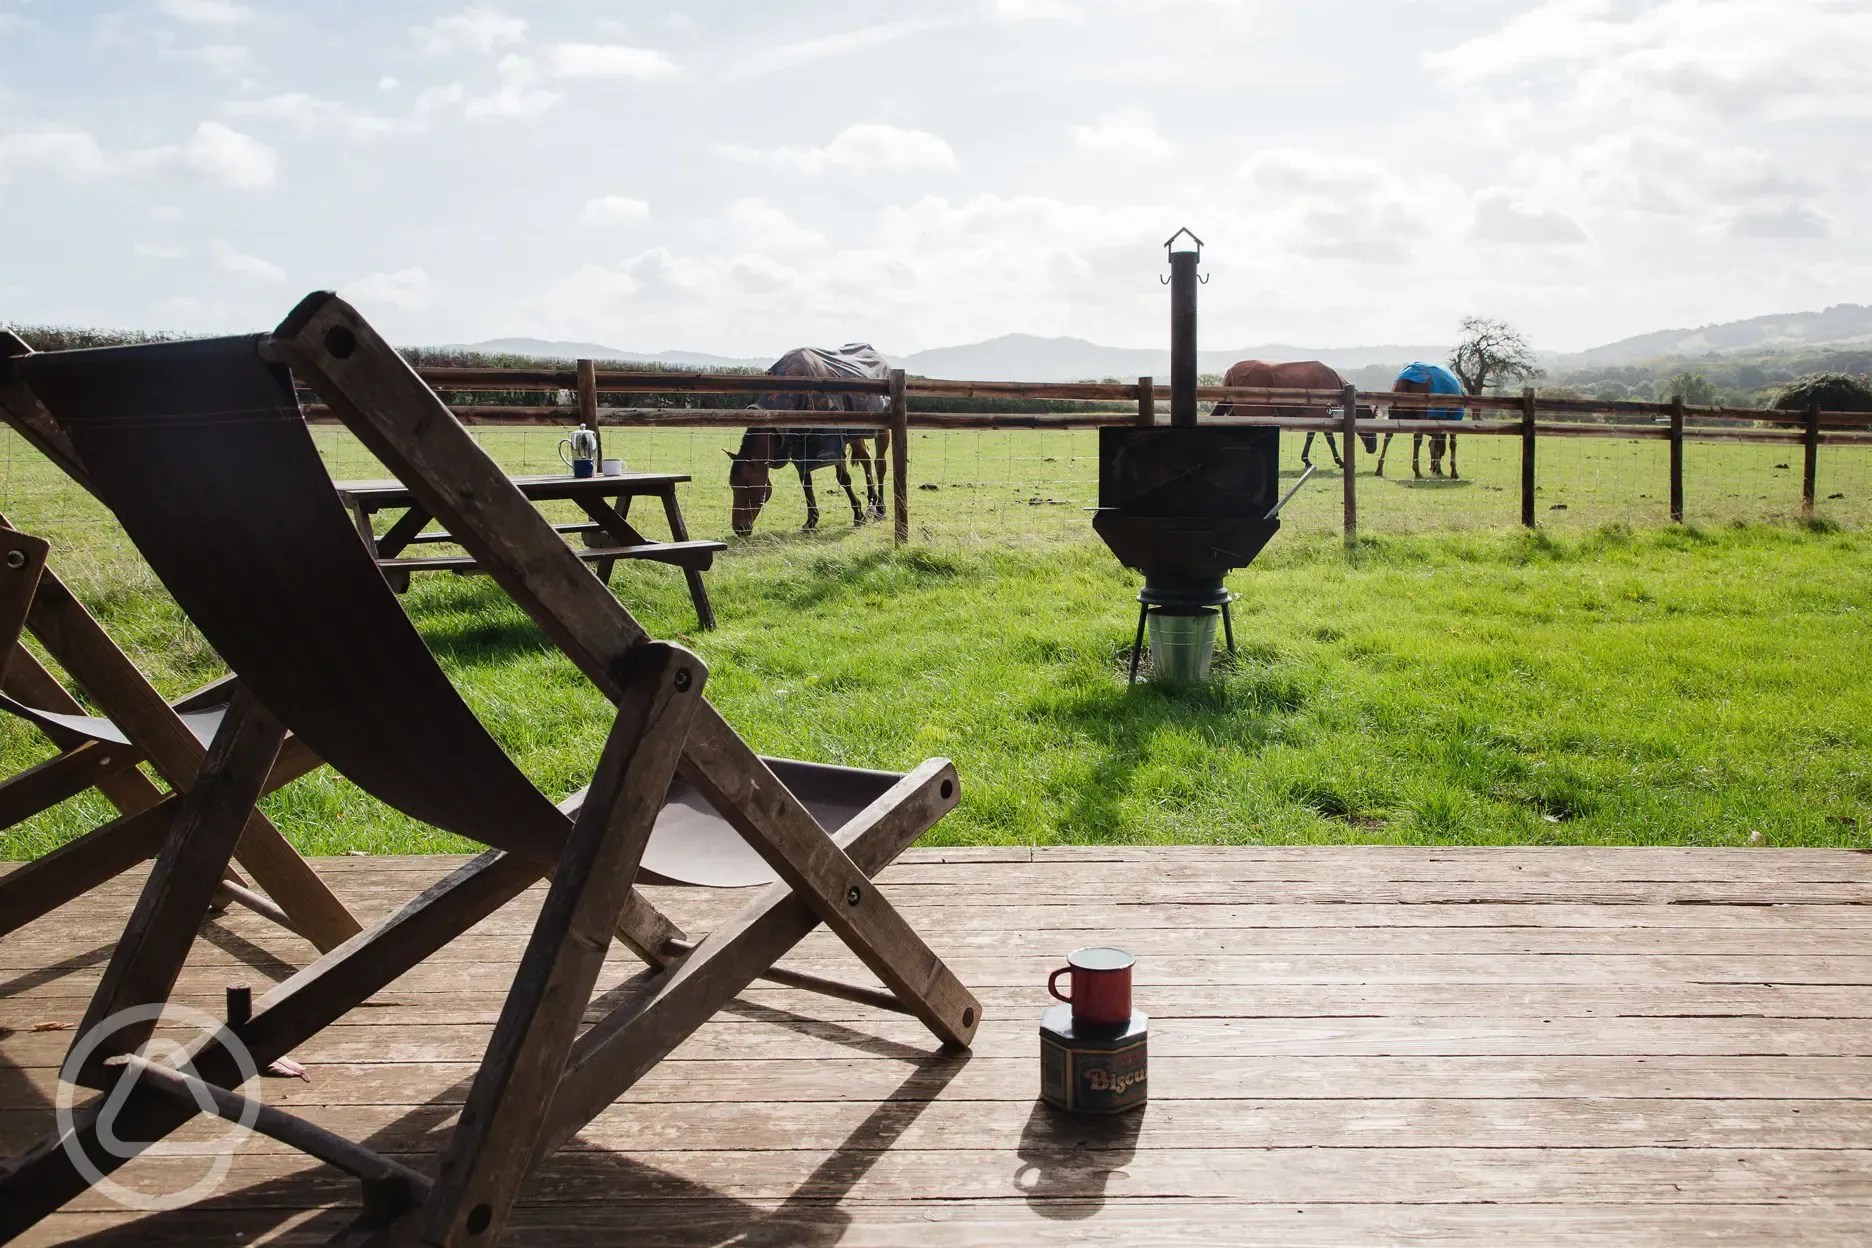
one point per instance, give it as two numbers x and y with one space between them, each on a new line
744 177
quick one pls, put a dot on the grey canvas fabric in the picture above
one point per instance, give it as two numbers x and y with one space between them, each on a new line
822 447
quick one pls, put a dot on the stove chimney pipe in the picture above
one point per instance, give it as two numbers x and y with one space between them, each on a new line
1183 327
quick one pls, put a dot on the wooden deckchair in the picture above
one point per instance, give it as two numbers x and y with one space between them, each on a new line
202 452
103 751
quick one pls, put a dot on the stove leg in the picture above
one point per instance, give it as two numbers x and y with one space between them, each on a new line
1228 628
1137 643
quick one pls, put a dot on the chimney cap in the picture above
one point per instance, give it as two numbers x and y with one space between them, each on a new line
1168 242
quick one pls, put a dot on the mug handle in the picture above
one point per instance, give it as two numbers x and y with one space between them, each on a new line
1053 984
564 445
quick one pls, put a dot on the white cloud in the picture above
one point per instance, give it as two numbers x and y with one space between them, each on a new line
214 152
311 115
228 260
1028 10
804 52
72 153
614 210
861 147
1332 206
408 290
226 156
1501 217
387 83
764 227
1123 136
158 251
226 59
517 96
1679 59
609 60
477 29
206 12
1794 222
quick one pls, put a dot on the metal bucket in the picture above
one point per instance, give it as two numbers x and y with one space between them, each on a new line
1182 641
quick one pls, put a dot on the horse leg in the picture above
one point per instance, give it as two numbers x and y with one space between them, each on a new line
1452 457
844 480
883 451
1436 454
1383 451
1306 450
1416 453
812 504
873 496
1334 448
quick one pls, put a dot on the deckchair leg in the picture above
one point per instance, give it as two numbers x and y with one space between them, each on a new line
488 1156
155 942
144 966
315 911
38 1181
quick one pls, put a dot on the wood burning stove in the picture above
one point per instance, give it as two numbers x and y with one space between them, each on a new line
1186 504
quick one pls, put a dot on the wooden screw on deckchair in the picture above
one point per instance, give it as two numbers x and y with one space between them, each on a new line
103 751
201 451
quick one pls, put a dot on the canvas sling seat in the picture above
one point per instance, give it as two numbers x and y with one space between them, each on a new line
103 751
201 451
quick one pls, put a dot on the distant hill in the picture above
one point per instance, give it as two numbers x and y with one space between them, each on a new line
543 349
1029 357
1025 357
1011 357
1840 325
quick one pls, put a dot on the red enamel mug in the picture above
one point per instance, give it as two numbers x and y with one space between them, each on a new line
1101 986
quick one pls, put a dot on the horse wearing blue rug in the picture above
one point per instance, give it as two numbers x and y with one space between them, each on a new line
810 448
1422 378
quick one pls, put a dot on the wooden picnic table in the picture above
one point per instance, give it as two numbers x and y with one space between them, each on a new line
608 533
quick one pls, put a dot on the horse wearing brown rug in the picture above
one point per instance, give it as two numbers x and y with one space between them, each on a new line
1290 375
810 448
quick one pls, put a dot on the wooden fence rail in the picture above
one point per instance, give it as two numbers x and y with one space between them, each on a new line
574 393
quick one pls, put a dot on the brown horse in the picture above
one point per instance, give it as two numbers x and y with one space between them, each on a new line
808 448
1292 375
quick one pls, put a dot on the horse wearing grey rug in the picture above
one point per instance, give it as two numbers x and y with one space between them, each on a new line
810 448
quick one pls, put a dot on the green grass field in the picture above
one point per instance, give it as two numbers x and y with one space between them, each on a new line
1448 680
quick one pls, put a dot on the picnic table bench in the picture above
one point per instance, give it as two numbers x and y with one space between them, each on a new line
607 533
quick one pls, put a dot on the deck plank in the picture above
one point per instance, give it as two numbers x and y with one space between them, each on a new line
1350 1044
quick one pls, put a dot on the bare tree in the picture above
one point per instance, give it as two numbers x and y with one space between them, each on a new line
1492 353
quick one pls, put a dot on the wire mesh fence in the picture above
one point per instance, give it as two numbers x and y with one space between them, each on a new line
1033 487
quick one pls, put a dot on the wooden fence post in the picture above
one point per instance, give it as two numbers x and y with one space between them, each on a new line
900 457
588 404
1527 456
1676 459
1810 444
1348 421
1147 402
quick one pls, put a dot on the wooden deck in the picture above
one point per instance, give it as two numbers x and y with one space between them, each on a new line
1349 1046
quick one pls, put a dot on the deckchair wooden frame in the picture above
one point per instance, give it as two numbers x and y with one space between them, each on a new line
540 1081
36 600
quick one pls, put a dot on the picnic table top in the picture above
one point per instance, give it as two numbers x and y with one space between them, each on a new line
539 488
1349 1045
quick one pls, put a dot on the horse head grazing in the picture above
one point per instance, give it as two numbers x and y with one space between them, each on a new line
750 478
